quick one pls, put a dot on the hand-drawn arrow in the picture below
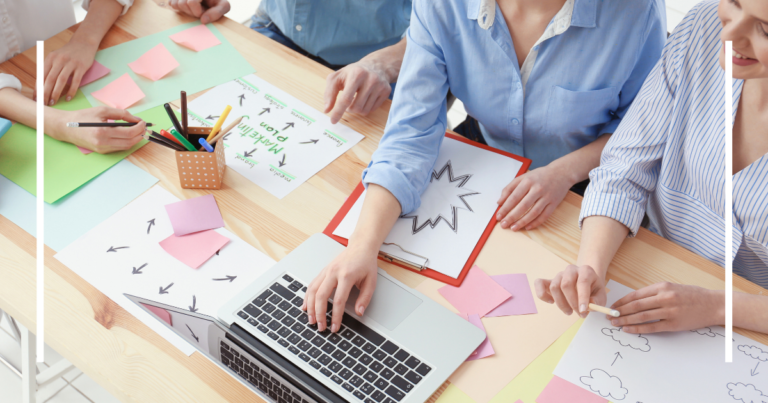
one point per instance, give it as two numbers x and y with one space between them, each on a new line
151 223
290 124
113 249
226 135
211 117
754 371
242 97
193 334
618 355
249 154
264 110
313 141
138 271
165 290
230 278
194 301
282 162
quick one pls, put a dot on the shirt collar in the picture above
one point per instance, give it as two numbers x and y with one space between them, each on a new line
584 12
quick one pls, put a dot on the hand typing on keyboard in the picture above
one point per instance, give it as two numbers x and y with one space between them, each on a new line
352 267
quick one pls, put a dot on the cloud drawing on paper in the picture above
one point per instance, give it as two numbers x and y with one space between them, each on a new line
754 352
634 341
705 332
746 393
441 201
605 385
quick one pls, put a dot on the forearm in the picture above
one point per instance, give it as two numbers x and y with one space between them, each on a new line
388 59
101 15
578 163
380 211
17 107
750 312
600 239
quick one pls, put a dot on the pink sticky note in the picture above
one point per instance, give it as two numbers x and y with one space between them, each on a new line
84 150
194 215
161 313
477 294
521 303
95 72
196 38
194 249
120 93
562 391
485 349
154 64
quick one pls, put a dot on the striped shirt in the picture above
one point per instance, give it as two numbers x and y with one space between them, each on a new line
667 156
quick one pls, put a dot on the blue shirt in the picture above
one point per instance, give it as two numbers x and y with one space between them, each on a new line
667 157
581 84
338 31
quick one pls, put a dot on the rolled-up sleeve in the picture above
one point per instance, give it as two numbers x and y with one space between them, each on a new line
630 163
9 81
651 45
417 120
125 3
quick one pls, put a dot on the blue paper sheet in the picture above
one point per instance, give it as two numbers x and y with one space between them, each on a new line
80 211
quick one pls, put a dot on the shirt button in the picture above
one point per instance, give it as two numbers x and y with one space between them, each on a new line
515 122
298 27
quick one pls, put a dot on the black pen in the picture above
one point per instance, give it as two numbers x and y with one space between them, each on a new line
103 124
173 119
156 138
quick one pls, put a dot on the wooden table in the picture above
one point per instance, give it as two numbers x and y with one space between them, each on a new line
135 364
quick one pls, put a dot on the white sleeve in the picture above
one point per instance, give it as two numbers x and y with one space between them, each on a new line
9 81
125 3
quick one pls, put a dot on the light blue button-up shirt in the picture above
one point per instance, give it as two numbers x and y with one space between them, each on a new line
338 31
581 84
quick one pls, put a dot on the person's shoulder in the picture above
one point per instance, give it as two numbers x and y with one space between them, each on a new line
700 28
629 16
443 11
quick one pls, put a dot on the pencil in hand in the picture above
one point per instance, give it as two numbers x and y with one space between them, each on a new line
104 124
602 309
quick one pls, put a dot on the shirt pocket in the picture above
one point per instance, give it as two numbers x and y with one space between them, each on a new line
580 111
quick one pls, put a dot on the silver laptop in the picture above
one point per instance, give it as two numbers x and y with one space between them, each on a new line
401 350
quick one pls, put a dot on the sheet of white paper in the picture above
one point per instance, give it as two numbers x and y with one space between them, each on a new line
666 367
455 208
133 235
281 142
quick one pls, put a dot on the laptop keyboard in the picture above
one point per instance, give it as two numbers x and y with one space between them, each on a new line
357 358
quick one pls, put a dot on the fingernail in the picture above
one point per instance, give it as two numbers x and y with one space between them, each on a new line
311 320
514 227
69 98
498 216
503 224
50 103
583 307
361 309
615 322
334 328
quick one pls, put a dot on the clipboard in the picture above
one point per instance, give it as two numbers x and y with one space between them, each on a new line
426 271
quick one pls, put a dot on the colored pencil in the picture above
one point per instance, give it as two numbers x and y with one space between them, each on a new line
184 115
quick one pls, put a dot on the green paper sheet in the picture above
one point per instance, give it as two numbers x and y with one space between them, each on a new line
197 71
66 168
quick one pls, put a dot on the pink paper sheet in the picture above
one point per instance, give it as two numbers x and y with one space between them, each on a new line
161 313
521 303
478 293
196 38
194 215
154 64
120 94
84 150
485 349
561 391
95 72
194 249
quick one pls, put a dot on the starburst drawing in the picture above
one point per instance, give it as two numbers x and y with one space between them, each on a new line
442 200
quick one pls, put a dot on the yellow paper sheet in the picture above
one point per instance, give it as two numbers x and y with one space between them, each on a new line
517 340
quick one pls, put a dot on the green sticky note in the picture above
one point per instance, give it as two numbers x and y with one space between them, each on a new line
197 71
66 168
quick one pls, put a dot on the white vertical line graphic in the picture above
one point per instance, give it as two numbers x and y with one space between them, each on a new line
40 203
728 193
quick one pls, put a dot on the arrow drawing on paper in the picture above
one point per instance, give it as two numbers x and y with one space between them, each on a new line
226 135
194 301
211 117
313 141
138 271
282 162
249 154
230 278
165 290
242 97
754 371
618 355
151 223
113 249
193 334
290 124
264 110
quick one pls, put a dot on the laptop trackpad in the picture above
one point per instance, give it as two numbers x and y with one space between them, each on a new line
390 304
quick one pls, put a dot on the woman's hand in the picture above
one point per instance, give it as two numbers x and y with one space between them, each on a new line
672 307
355 266
103 140
206 10
532 197
573 289
66 66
